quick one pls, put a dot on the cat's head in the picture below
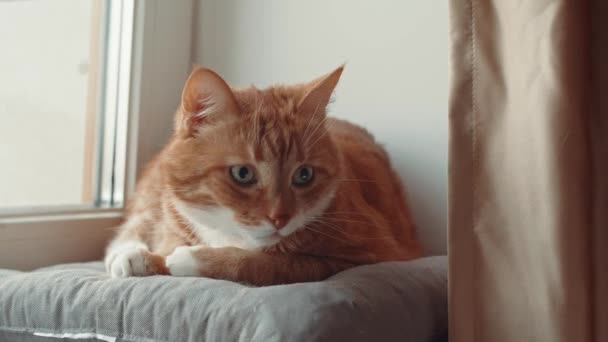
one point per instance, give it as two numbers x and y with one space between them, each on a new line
249 167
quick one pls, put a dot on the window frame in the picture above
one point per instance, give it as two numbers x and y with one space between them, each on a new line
160 58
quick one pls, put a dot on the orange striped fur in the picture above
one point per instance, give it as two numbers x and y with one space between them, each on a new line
322 196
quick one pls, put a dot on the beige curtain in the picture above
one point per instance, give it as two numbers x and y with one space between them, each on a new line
528 235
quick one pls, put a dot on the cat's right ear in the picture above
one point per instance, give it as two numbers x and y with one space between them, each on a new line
206 98
319 93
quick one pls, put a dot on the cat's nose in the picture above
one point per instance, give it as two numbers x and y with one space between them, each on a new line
278 221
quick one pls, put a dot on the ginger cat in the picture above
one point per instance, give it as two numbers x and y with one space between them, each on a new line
259 186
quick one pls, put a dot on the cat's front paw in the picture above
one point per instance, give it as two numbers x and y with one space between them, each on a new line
183 262
202 261
136 262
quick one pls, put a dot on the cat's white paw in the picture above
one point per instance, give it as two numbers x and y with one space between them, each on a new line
127 263
182 262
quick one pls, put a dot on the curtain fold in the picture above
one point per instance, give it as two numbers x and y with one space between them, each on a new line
528 154
598 129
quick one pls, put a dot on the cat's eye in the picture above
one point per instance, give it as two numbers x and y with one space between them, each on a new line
243 174
303 175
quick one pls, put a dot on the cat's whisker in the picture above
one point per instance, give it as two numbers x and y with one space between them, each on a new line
326 130
314 114
192 235
172 190
309 147
312 134
189 236
344 220
256 122
328 235
180 190
355 180
352 235
344 212
328 224
370 222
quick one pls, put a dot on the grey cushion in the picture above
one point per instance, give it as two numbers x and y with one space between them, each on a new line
394 301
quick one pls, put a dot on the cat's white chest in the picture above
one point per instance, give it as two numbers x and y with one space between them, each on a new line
215 226
215 238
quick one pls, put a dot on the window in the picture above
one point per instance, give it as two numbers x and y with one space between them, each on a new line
62 102
87 92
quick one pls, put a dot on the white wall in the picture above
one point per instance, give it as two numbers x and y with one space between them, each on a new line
44 60
395 81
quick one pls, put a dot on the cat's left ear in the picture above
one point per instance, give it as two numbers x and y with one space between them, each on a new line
319 93
206 98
